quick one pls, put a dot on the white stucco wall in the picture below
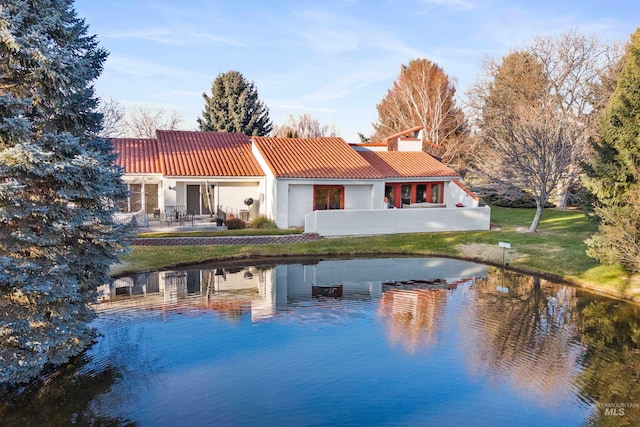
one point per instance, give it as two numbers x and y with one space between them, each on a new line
300 203
294 198
358 197
454 194
391 221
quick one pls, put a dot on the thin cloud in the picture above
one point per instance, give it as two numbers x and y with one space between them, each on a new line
453 4
176 37
136 67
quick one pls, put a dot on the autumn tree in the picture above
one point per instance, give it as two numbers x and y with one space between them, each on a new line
304 126
234 106
423 95
58 187
613 171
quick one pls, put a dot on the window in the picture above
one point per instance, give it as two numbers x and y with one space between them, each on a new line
389 195
408 193
405 192
436 193
135 197
421 193
150 198
328 197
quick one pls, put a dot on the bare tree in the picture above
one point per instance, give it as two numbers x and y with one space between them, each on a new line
305 126
113 118
576 67
143 122
423 95
530 152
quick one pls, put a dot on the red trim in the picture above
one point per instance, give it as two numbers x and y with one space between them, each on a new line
397 191
341 187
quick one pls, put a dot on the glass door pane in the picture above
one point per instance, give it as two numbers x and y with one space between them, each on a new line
389 195
322 194
421 193
405 192
436 193
150 198
135 197
335 198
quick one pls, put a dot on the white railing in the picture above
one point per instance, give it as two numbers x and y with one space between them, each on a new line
394 221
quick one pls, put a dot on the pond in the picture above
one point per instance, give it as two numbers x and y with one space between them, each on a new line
402 341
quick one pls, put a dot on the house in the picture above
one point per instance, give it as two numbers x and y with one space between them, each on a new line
197 172
322 184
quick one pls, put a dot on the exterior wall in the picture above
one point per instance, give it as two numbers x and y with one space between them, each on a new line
454 194
409 145
269 194
230 192
391 221
300 203
359 197
234 194
294 198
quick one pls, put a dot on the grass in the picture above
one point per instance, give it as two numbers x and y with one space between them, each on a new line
557 249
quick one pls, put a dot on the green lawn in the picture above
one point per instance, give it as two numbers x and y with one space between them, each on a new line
557 248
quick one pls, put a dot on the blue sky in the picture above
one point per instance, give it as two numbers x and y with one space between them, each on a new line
333 59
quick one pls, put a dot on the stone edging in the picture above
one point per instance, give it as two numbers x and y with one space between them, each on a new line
229 240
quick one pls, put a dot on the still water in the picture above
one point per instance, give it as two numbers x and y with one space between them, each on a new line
402 342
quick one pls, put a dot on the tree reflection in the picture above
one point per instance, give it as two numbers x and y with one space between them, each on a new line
611 373
106 380
414 316
64 399
521 328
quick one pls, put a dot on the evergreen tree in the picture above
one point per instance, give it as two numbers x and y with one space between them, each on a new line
234 106
58 186
613 172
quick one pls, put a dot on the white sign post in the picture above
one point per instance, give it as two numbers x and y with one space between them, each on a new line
504 246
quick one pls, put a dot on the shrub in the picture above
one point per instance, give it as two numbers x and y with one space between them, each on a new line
236 224
263 222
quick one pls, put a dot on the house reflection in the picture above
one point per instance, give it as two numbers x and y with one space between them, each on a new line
264 290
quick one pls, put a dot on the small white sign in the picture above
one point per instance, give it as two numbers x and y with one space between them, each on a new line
504 245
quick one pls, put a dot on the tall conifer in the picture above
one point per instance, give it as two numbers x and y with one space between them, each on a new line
58 186
613 172
234 106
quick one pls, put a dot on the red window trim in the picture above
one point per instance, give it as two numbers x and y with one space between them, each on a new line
397 191
341 187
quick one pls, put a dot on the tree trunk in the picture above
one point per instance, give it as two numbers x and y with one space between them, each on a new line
536 219
563 196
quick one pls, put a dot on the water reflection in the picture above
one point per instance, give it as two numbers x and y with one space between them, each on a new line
382 341
522 328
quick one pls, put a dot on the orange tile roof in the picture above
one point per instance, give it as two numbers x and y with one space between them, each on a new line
411 164
314 158
137 155
195 153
